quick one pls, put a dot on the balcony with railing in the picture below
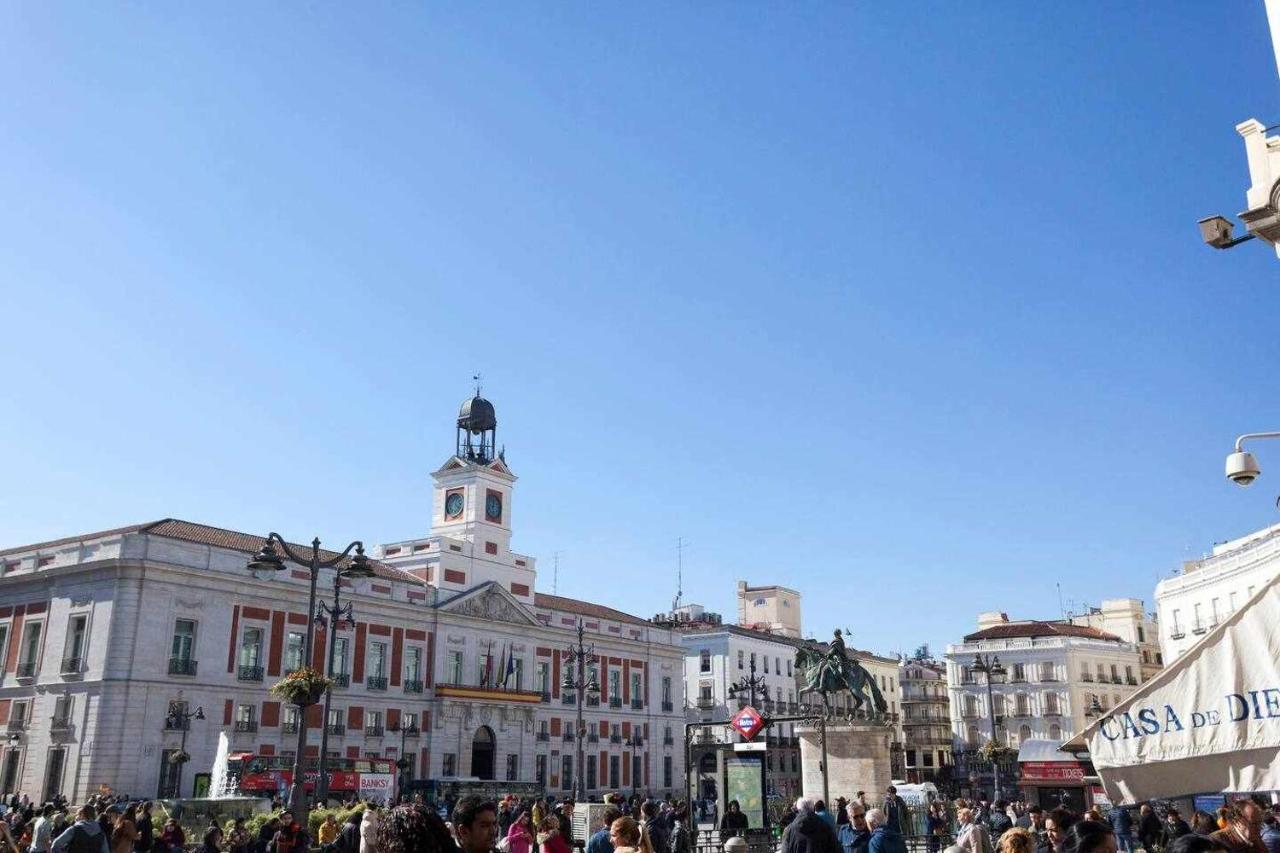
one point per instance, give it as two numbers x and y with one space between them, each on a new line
546 696
1199 628
615 701
706 703
336 728
177 723
667 707
182 666
592 702
544 736
246 726
410 731
289 727
72 666
373 731
375 682
593 738
568 699
413 685
342 679
1131 681
249 673
1177 633
637 704
1085 676
668 740
568 736
27 669
59 724
615 738
17 724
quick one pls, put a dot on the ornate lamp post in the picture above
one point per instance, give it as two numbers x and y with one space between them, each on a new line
267 560
749 684
991 667
578 654
332 616
634 743
180 718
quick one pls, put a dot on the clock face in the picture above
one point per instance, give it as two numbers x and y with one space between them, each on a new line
453 505
493 507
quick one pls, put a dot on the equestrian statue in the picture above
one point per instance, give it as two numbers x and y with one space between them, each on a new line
834 671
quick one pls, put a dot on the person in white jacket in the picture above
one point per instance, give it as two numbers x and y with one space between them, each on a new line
369 830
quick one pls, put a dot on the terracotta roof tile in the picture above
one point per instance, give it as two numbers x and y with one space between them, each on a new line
69 540
1038 629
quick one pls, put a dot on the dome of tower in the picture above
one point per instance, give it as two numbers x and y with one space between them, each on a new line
477 416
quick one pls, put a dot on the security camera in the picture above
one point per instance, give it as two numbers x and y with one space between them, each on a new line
1242 468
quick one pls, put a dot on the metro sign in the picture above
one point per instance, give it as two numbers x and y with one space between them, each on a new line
747 722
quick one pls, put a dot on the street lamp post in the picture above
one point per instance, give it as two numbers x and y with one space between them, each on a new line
749 684
578 653
634 743
332 616
994 671
180 718
268 560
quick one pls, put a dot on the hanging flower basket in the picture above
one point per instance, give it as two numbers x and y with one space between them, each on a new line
302 687
994 754
180 757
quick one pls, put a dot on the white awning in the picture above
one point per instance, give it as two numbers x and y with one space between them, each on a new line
1035 749
1210 723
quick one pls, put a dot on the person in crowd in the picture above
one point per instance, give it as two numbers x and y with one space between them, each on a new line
566 821
998 820
349 836
1121 820
842 813
327 834
809 833
895 811
412 828
211 841
291 837
733 822
7 844
506 815
1192 842
125 832
238 839
855 835
1243 832
1174 828
599 842
369 830
1016 839
42 831
1271 833
83 836
1032 819
973 835
475 824
519 834
1222 817
624 835
1150 831
172 838
936 825
654 828
1090 836
885 837
1203 823
550 839
266 832
146 830
679 836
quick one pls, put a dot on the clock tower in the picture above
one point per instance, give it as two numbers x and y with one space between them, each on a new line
472 500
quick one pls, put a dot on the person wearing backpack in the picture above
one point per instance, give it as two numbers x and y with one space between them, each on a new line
83 836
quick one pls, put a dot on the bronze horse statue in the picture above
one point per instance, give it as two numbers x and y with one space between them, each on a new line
834 671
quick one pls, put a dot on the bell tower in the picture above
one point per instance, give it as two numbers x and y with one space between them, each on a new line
472 500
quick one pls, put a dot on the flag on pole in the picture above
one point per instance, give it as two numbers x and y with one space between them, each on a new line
488 666
511 667
502 667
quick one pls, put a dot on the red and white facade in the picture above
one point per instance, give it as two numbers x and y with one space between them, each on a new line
100 633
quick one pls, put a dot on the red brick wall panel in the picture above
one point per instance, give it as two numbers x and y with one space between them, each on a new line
270 714
357 666
397 655
275 649
235 638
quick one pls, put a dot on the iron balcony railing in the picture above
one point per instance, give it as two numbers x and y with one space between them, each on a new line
246 725
411 731
27 669
667 707
59 724
177 724
544 736
72 666
615 738
336 729
593 702
637 704
290 727
568 699
182 666
249 673
375 682
342 679
706 703
615 701
413 686
373 731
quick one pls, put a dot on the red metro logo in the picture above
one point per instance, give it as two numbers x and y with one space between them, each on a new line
747 722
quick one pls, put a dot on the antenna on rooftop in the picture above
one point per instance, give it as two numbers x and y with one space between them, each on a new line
555 572
1061 609
675 603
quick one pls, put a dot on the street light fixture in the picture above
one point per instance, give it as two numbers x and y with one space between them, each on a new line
180 718
577 655
268 560
991 667
749 684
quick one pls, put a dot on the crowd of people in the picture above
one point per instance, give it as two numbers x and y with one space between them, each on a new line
639 825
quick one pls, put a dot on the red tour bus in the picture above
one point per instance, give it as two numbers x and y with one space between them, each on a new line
264 775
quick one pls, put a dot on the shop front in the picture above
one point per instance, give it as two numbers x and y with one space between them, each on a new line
1052 778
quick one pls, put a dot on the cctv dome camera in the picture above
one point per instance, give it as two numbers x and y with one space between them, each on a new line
1242 468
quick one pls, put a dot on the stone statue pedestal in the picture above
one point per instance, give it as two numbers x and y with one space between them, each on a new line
857 759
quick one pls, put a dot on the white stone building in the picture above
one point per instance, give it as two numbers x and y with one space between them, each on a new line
455 662
926 719
1053 673
1206 591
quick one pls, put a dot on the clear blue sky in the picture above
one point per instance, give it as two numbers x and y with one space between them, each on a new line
903 306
